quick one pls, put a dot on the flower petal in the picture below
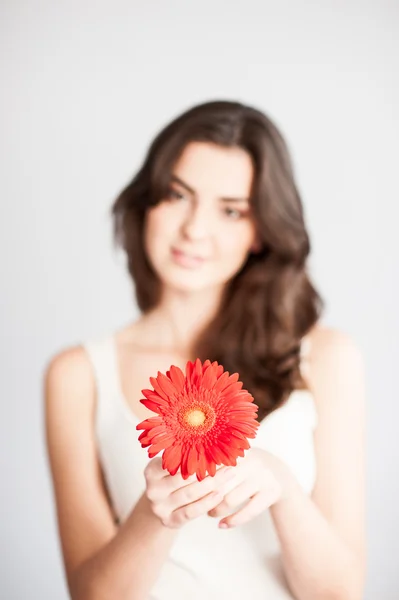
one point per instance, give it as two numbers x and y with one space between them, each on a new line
189 370
232 388
209 378
158 388
246 430
221 381
149 423
177 377
213 456
234 442
153 406
151 395
201 466
219 370
240 414
161 444
211 467
151 434
166 385
183 465
192 460
196 376
220 455
171 458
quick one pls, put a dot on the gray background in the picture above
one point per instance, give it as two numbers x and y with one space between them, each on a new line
86 84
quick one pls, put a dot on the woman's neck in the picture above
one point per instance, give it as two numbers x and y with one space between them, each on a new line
178 319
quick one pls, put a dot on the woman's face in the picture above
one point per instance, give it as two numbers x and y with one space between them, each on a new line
200 234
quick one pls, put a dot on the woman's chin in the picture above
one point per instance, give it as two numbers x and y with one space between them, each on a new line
188 282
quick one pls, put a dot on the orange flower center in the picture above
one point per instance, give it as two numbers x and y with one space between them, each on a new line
198 417
195 417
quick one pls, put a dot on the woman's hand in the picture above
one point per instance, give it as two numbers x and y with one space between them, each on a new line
176 501
260 481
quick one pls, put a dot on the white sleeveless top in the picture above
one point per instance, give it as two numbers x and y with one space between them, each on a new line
205 562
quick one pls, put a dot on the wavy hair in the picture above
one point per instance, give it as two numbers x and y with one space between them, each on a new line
270 304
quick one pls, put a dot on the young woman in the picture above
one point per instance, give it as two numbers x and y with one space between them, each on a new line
216 244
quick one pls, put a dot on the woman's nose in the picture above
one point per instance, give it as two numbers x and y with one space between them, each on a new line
197 224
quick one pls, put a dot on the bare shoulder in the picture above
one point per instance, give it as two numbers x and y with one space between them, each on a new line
333 353
72 359
67 378
336 372
329 341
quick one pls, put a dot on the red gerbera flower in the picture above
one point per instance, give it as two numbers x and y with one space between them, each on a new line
204 419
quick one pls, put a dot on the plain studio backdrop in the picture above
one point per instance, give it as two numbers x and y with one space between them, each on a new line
85 86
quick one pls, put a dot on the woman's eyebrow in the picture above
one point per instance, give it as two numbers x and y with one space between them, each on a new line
192 191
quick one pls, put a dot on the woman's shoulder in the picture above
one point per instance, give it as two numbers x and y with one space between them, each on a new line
71 369
322 335
69 362
334 357
327 342
68 379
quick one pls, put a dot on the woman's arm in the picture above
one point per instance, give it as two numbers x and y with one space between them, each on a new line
322 537
127 566
101 561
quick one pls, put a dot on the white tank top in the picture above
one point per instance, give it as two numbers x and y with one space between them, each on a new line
205 562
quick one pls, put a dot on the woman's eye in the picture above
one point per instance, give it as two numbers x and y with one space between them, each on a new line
174 195
232 213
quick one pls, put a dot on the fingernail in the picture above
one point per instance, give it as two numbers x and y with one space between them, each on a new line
223 526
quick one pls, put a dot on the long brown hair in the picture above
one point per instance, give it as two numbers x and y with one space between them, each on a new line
270 304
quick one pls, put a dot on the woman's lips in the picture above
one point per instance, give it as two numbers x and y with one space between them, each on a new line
186 260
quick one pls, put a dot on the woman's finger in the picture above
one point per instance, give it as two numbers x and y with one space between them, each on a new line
154 470
196 509
194 491
256 505
159 483
234 498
